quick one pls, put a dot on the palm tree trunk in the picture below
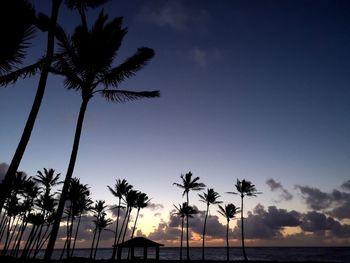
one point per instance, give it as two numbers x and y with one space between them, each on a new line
187 234
133 230
116 232
182 236
242 227
76 235
93 242
11 171
122 227
98 241
227 244
204 228
126 225
67 180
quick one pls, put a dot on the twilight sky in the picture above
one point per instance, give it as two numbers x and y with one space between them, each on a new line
249 89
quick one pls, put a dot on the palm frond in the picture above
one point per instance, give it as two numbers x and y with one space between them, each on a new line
16 28
125 95
129 67
21 73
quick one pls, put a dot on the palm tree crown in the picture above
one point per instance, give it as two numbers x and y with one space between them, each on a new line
189 184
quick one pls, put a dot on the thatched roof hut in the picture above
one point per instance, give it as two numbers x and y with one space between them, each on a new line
139 242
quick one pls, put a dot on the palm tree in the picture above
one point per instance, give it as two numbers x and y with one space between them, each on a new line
99 212
229 212
120 189
101 223
184 211
19 14
44 65
210 198
130 199
244 188
141 202
86 61
189 184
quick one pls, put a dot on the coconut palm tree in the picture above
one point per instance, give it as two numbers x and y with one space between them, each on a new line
44 65
141 202
229 212
244 188
189 184
99 210
101 223
210 198
130 199
121 187
183 211
86 61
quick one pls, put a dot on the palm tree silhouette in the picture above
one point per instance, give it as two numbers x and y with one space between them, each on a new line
99 212
130 199
244 188
121 187
189 184
86 61
184 211
141 202
229 212
210 198
44 65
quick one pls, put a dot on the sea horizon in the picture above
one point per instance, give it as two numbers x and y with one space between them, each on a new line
302 254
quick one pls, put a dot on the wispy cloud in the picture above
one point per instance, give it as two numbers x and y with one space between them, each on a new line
277 186
204 57
173 14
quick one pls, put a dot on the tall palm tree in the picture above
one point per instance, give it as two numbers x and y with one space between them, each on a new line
86 62
121 187
229 212
244 188
183 211
210 198
189 184
44 65
101 223
141 202
130 199
99 211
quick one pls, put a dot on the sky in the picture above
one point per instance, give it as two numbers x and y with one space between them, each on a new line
255 90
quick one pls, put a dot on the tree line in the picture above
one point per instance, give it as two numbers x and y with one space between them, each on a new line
210 197
29 212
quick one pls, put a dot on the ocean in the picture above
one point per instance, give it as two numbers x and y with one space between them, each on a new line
326 254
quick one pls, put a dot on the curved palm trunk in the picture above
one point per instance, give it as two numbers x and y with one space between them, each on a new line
137 216
67 180
116 233
35 107
227 244
76 235
242 227
204 228
93 242
98 241
127 223
122 227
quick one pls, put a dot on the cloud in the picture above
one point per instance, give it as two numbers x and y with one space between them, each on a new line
335 203
155 207
346 185
3 170
173 14
276 186
267 224
204 57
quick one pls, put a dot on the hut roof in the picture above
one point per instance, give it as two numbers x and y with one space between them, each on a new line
140 242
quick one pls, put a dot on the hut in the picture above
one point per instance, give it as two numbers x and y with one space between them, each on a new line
139 242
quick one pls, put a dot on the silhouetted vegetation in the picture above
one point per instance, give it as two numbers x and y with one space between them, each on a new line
244 188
